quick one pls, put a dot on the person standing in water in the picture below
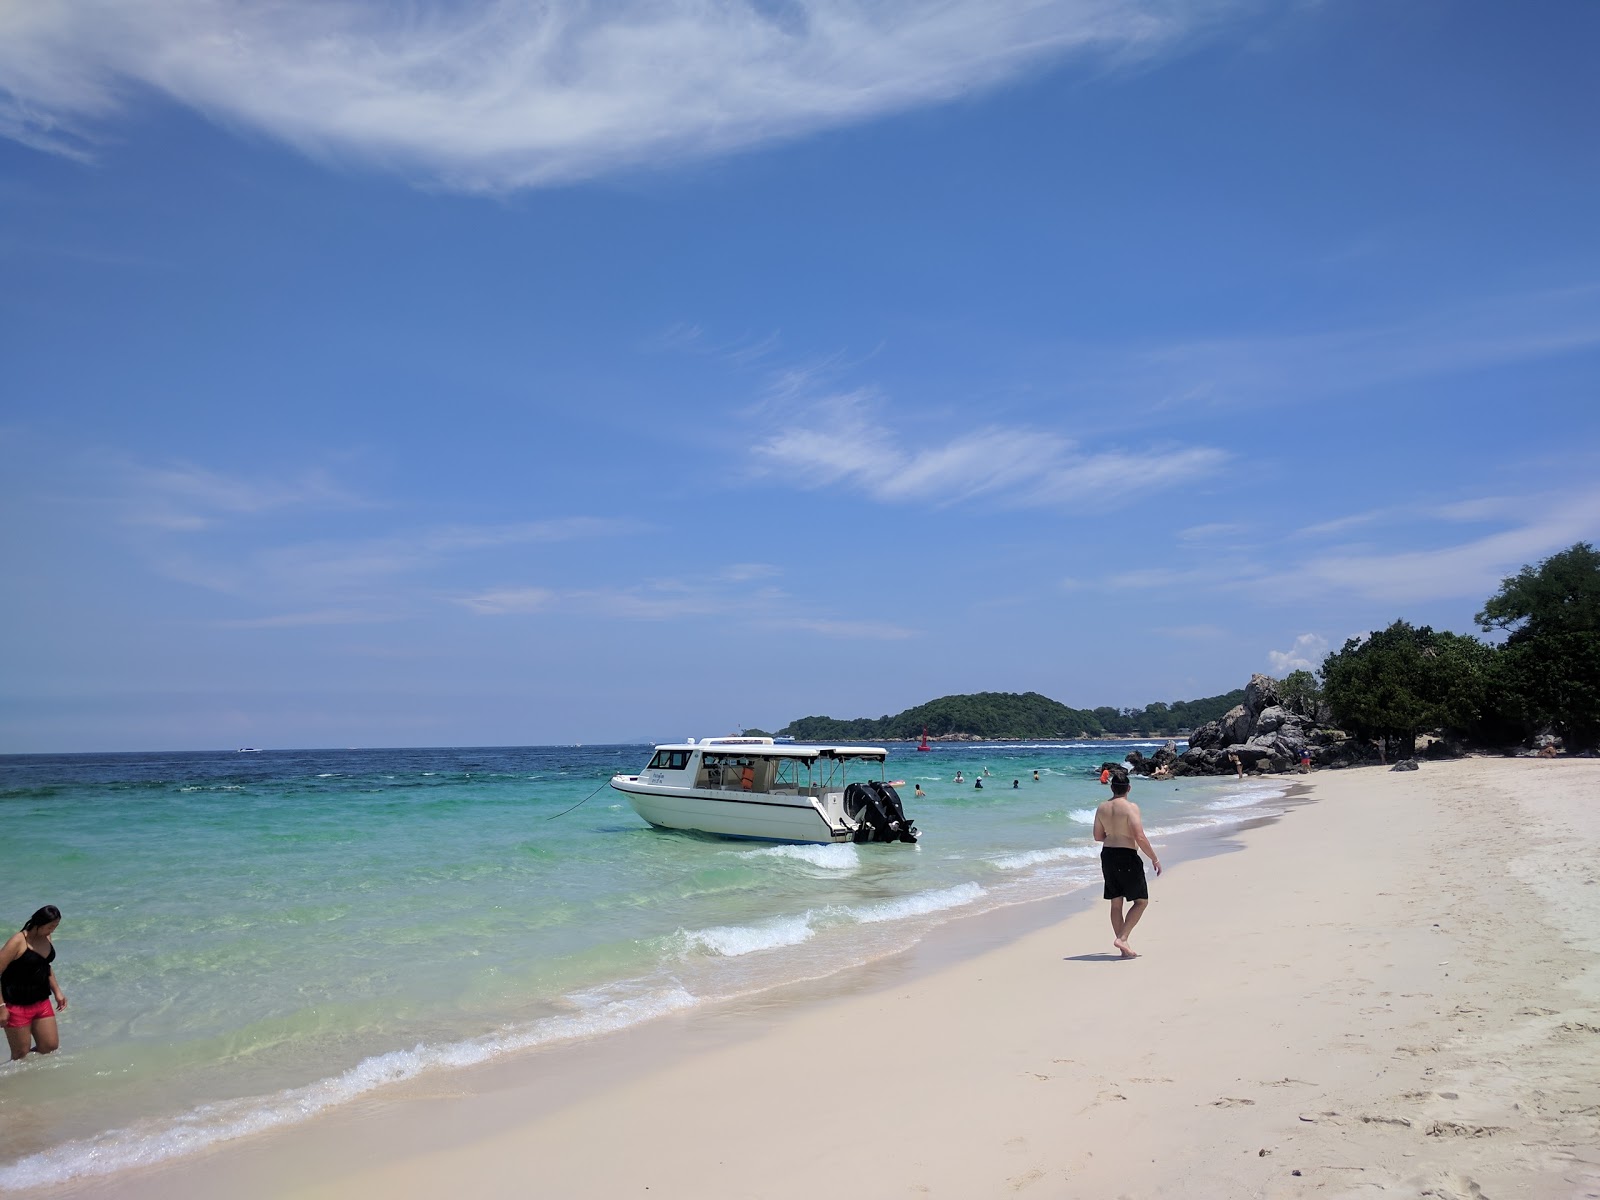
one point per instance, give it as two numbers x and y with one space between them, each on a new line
27 981
1121 833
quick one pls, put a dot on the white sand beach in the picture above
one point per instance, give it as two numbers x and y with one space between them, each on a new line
1391 990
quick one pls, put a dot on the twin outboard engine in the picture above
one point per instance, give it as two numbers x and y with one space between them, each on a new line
875 807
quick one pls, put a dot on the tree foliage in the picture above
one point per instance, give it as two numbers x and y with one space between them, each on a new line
1404 679
1300 694
1549 668
1012 715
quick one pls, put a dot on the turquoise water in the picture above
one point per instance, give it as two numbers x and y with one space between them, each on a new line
249 939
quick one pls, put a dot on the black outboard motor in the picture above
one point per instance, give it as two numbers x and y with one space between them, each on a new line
876 808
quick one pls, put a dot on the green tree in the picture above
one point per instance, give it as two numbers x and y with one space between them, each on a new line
1403 680
1550 665
1301 694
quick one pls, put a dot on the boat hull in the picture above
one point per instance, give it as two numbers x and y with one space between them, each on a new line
765 818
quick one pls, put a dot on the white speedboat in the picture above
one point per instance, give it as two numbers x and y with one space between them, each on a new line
754 787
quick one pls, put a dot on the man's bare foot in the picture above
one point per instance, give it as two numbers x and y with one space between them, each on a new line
1127 950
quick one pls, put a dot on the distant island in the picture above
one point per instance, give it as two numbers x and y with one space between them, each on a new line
1008 716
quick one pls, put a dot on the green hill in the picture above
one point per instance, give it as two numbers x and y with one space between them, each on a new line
991 715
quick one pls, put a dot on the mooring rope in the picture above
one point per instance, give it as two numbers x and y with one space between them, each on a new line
580 803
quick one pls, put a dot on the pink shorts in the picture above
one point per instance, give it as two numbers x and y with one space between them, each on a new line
20 1016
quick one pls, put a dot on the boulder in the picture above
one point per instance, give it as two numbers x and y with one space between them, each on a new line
1410 764
1207 737
1260 694
1236 724
1272 719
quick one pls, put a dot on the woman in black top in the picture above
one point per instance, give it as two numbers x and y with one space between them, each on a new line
27 981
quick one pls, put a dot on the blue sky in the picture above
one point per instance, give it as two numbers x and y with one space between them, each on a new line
506 373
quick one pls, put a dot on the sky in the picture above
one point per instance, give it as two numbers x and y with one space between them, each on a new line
504 373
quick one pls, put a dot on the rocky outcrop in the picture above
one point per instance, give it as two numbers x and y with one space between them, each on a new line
1264 734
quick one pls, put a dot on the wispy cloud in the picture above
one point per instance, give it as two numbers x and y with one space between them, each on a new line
184 497
298 620
839 440
880 631
1255 371
1308 651
499 94
500 601
1208 533
737 593
1414 566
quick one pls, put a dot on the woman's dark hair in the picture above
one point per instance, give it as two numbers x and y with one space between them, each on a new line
44 916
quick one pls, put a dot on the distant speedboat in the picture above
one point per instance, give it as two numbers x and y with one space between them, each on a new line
751 787
248 750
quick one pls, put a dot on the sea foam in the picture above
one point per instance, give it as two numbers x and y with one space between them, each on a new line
841 856
1033 858
209 1124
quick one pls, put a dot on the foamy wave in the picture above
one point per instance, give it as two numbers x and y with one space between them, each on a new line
1247 797
210 1124
1032 858
919 904
1083 816
839 857
731 941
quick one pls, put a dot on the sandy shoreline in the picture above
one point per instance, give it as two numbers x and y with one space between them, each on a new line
1392 990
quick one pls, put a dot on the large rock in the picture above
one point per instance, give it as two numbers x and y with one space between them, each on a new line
1271 719
1260 694
1207 737
1237 724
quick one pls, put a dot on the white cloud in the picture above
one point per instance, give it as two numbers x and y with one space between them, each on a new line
838 440
724 595
1468 569
298 620
1210 532
1306 654
853 630
184 497
500 601
1248 371
500 94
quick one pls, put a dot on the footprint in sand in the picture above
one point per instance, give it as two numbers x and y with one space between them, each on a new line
1230 1102
1027 1179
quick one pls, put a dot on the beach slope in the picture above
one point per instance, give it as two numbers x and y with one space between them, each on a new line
1391 990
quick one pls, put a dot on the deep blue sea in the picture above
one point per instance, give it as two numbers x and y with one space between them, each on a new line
249 939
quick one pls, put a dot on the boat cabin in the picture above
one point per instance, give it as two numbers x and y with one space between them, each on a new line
760 766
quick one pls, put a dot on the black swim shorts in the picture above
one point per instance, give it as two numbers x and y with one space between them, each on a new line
1124 872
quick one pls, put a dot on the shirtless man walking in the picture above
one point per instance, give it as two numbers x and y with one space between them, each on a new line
1117 825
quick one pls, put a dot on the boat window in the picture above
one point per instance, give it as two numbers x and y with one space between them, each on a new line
792 773
669 760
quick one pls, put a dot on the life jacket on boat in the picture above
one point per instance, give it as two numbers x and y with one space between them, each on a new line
747 779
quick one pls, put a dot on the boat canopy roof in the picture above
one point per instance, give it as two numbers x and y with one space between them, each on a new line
764 747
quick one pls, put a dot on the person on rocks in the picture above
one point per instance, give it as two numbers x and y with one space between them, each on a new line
1119 829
